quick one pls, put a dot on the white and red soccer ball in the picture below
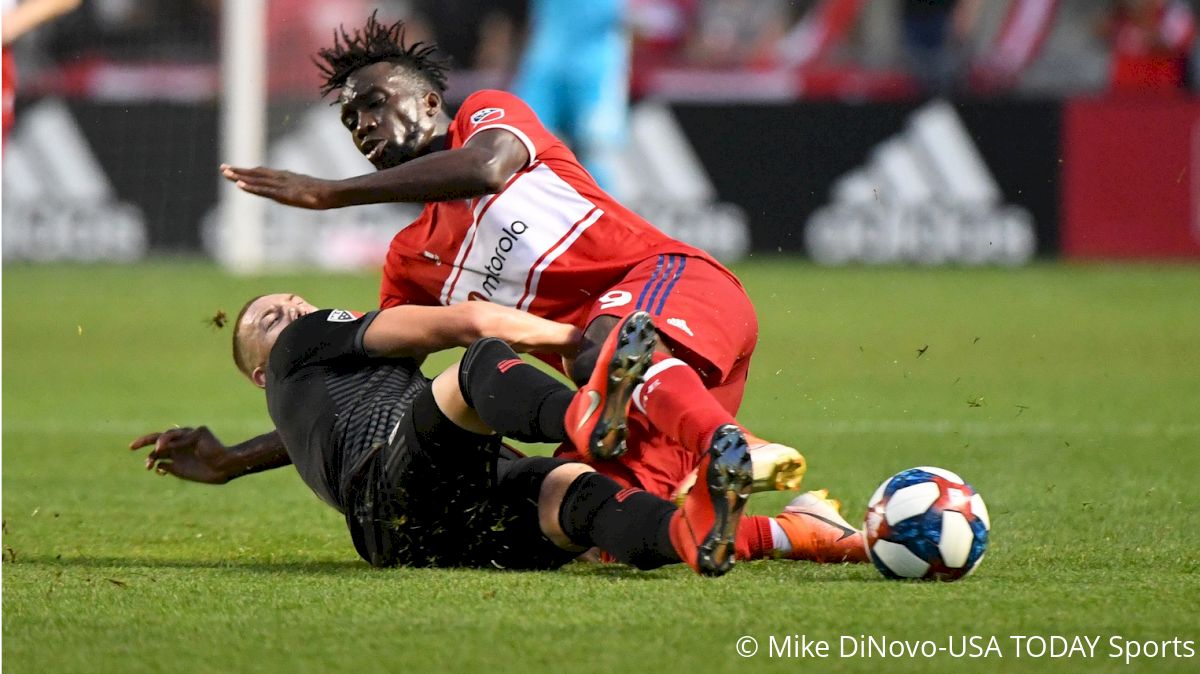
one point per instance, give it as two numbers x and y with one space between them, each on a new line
926 523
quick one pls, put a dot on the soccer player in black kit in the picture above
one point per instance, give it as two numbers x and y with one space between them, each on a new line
417 465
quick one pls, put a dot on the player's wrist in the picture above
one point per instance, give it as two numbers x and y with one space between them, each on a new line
227 464
329 194
254 455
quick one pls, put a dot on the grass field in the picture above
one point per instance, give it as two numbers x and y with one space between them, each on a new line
1069 396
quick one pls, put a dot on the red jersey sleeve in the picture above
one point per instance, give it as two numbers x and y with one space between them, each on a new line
394 289
491 109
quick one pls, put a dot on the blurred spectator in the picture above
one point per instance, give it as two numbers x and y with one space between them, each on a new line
935 33
1151 43
479 36
139 30
575 76
296 29
740 32
660 30
19 19
820 28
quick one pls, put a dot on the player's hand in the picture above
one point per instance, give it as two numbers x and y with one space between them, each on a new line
524 332
193 454
285 187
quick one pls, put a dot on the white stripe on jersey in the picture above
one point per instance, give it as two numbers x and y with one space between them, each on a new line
515 237
558 249
481 204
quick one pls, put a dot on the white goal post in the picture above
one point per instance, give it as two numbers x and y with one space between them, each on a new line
243 131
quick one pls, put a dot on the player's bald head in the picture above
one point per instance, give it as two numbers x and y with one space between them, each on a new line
240 356
257 327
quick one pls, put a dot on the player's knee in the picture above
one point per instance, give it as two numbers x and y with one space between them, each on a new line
545 481
589 348
550 500
487 349
581 368
557 482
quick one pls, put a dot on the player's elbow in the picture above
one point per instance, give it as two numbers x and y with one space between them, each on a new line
493 174
473 321
490 167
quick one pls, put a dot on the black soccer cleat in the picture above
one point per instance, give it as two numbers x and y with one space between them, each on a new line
596 418
704 529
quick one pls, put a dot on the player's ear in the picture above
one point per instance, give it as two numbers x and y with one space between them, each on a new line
259 377
433 103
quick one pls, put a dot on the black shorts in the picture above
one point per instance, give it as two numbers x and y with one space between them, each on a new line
439 495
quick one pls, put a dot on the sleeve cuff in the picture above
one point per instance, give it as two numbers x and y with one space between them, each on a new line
366 321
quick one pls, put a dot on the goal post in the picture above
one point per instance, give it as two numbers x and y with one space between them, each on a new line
243 111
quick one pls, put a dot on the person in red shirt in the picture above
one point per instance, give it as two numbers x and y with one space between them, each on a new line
1151 42
512 217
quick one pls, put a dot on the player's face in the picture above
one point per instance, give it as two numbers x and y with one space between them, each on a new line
266 317
391 119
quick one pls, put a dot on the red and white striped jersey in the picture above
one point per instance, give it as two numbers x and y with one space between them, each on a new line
551 242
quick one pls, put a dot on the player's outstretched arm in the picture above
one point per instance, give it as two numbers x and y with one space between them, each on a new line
416 331
480 167
197 455
32 13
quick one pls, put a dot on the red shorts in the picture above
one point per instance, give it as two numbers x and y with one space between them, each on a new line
708 321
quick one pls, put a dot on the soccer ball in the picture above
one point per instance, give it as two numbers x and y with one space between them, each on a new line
926 523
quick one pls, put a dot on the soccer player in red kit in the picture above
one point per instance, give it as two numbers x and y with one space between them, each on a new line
511 217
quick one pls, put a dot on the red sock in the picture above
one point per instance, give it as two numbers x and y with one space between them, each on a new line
676 402
754 538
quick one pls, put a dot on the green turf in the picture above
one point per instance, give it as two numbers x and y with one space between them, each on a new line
1070 397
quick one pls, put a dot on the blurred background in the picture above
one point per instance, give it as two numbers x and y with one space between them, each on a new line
846 131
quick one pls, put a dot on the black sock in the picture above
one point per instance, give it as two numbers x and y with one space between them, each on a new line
629 524
513 398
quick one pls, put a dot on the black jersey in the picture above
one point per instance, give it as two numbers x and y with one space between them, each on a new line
334 406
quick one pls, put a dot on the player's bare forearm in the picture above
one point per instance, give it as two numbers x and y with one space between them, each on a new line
32 13
526 332
195 454
417 330
257 454
463 173
442 176
480 167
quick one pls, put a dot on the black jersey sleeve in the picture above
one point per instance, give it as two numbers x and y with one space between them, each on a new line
322 336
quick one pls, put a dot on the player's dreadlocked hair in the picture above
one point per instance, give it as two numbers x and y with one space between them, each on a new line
376 42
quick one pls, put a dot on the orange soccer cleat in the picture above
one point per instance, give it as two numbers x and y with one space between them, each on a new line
596 416
818 532
704 528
